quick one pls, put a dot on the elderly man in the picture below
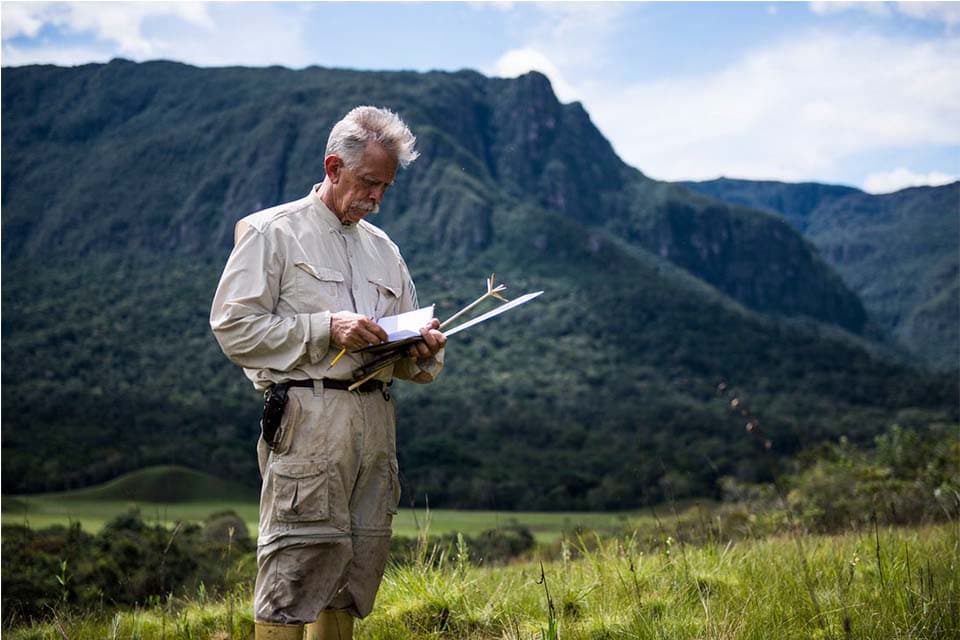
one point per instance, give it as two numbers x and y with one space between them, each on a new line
305 280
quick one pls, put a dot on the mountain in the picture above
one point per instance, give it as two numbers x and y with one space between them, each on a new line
120 189
899 252
211 151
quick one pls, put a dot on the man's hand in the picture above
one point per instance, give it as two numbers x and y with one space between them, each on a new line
433 341
353 331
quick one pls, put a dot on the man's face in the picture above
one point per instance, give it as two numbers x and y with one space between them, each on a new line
357 192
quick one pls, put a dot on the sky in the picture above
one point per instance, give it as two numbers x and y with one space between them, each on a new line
861 94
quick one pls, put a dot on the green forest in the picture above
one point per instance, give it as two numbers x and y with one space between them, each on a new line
614 390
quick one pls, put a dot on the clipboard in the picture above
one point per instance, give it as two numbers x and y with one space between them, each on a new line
398 344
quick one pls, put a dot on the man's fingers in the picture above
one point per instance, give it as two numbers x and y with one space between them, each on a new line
360 332
433 341
354 331
422 351
378 333
366 332
365 336
433 337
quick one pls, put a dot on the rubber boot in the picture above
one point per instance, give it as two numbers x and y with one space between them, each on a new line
333 624
273 631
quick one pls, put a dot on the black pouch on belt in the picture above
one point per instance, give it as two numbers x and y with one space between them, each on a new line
274 402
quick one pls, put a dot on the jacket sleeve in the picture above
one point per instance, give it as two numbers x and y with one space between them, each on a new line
244 315
422 371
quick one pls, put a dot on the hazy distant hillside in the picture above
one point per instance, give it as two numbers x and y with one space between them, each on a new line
121 186
900 252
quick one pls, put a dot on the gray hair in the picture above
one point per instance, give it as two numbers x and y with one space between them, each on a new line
350 136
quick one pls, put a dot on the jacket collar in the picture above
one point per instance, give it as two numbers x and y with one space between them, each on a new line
326 215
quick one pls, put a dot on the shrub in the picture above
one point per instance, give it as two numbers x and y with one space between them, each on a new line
126 563
909 477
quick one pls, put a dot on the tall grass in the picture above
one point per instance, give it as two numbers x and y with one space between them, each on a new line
893 583
898 584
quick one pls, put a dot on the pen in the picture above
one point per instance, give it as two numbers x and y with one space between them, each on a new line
342 353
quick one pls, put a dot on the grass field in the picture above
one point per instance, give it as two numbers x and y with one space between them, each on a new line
899 584
166 495
646 580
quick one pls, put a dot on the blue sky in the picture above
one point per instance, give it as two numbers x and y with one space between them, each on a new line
864 94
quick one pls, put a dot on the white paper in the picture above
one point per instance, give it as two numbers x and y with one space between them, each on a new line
406 325
491 314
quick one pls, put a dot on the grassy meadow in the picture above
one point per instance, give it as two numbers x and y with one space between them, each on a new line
44 511
883 584
167 495
732 570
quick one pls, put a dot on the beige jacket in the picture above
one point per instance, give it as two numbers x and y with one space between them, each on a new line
292 267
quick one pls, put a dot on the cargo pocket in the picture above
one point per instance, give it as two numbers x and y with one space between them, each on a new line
300 492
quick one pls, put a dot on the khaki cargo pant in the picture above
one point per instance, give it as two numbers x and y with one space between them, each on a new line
330 490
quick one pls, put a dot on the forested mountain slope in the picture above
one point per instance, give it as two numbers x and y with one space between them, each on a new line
122 183
900 252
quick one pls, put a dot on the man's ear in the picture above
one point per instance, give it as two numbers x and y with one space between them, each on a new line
332 165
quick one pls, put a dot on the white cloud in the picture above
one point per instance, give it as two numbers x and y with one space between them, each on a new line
206 34
568 40
946 12
520 61
500 5
20 19
800 109
119 23
577 35
580 20
248 34
901 178
829 6
792 112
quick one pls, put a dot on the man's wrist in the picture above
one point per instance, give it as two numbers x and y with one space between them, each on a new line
318 340
427 364
431 365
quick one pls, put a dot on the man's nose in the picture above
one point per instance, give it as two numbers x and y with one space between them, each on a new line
377 193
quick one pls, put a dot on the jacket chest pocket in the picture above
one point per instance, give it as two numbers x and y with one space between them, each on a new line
318 288
387 297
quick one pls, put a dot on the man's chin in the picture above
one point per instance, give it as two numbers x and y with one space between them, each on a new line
355 215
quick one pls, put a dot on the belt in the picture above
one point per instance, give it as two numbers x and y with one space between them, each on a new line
342 385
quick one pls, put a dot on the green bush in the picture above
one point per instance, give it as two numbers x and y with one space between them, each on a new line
490 547
909 477
127 563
